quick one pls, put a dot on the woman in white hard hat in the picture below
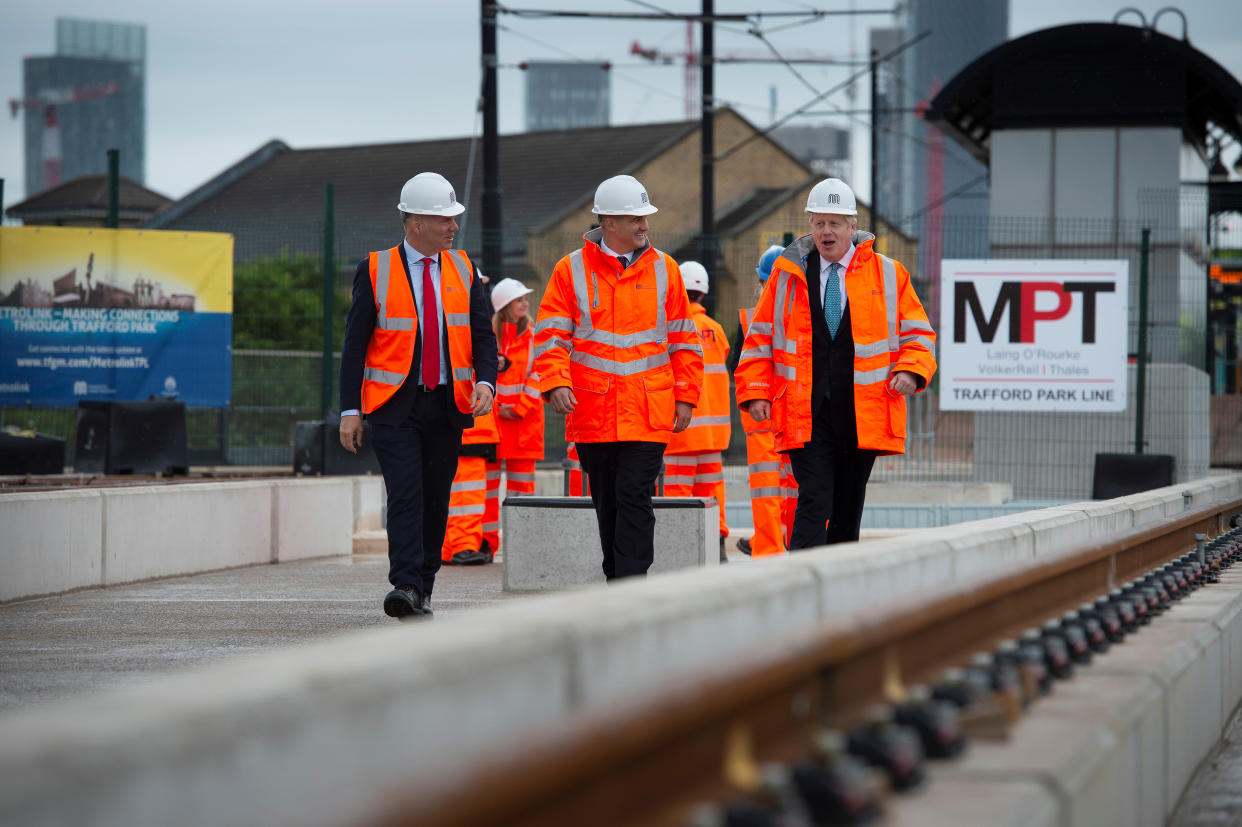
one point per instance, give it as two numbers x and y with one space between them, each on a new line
519 406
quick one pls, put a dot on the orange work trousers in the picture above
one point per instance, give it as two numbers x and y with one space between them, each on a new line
773 495
697 475
467 502
519 477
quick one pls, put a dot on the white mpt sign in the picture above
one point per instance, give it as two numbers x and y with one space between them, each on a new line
1019 335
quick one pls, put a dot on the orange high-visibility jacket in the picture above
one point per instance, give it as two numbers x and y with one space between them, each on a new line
483 431
890 332
749 425
710 426
624 343
391 350
518 386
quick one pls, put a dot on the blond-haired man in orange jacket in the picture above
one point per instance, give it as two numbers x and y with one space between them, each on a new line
838 341
618 355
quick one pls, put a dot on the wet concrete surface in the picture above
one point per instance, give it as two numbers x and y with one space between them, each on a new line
1214 796
57 647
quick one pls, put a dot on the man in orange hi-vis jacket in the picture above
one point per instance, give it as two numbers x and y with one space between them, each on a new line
693 465
838 341
618 355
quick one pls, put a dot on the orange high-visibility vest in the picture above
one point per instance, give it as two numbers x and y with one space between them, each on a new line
890 330
624 343
390 352
710 426
518 386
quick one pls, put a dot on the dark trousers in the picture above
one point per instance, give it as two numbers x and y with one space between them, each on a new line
832 473
418 458
622 476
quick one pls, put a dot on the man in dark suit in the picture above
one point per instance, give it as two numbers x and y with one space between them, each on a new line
418 398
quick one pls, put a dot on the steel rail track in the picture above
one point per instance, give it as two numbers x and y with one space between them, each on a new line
703 739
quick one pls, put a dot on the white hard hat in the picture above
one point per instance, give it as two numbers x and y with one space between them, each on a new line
832 196
622 195
506 291
429 193
694 275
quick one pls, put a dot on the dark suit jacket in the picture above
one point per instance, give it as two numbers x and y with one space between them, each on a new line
832 358
361 322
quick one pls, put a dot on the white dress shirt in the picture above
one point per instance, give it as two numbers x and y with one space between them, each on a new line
629 257
825 270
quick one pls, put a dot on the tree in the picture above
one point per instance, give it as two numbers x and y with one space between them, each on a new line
278 305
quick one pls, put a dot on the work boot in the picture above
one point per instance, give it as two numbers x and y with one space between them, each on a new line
724 557
743 545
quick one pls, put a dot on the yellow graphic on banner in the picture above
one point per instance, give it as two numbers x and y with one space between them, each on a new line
93 267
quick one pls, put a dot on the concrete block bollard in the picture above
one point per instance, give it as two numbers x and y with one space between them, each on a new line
553 542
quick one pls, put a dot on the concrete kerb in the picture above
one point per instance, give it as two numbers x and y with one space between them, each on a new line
308 519
52 542
961 803
309 735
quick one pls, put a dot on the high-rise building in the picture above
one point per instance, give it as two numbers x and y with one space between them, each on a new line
825 149
567 95
86 99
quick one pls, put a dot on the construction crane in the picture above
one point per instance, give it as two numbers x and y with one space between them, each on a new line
691 58
46 102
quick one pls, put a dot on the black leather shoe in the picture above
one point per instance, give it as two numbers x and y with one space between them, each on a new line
473 558
463 558
427 612
403 601
743 545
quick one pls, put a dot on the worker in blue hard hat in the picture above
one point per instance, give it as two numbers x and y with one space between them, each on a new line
773 491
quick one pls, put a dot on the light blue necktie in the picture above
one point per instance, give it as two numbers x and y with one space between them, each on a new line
832 299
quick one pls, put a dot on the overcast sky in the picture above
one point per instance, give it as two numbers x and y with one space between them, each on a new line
226 76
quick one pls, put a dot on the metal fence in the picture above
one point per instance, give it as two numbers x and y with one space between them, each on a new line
279 343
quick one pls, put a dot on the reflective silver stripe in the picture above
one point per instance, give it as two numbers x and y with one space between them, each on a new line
683 326
532 392
384 377
491 526
778 318
385 323
469 485
457 319
756 493
890 299
578 270
509 388
790 347
643 337
679 479
693 348
764 467
462 374
493 474
554 323
709 458
870 377
522 477
925 341
915 326
714 368
873 349
574 465
715 476
551 343
661 274
790 372
465 510
620 368
709 420
761 352
381 287
759 327
463 269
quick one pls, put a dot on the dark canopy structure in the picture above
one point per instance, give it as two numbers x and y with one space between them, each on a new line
1088 74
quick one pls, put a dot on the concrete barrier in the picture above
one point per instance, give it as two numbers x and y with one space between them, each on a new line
316 734
56 541
553 542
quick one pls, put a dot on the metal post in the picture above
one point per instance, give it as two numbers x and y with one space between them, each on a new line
707 136
329 293
1 201
491 146
114 188
1140 380
875 142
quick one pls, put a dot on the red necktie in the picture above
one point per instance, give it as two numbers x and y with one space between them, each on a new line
431 330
